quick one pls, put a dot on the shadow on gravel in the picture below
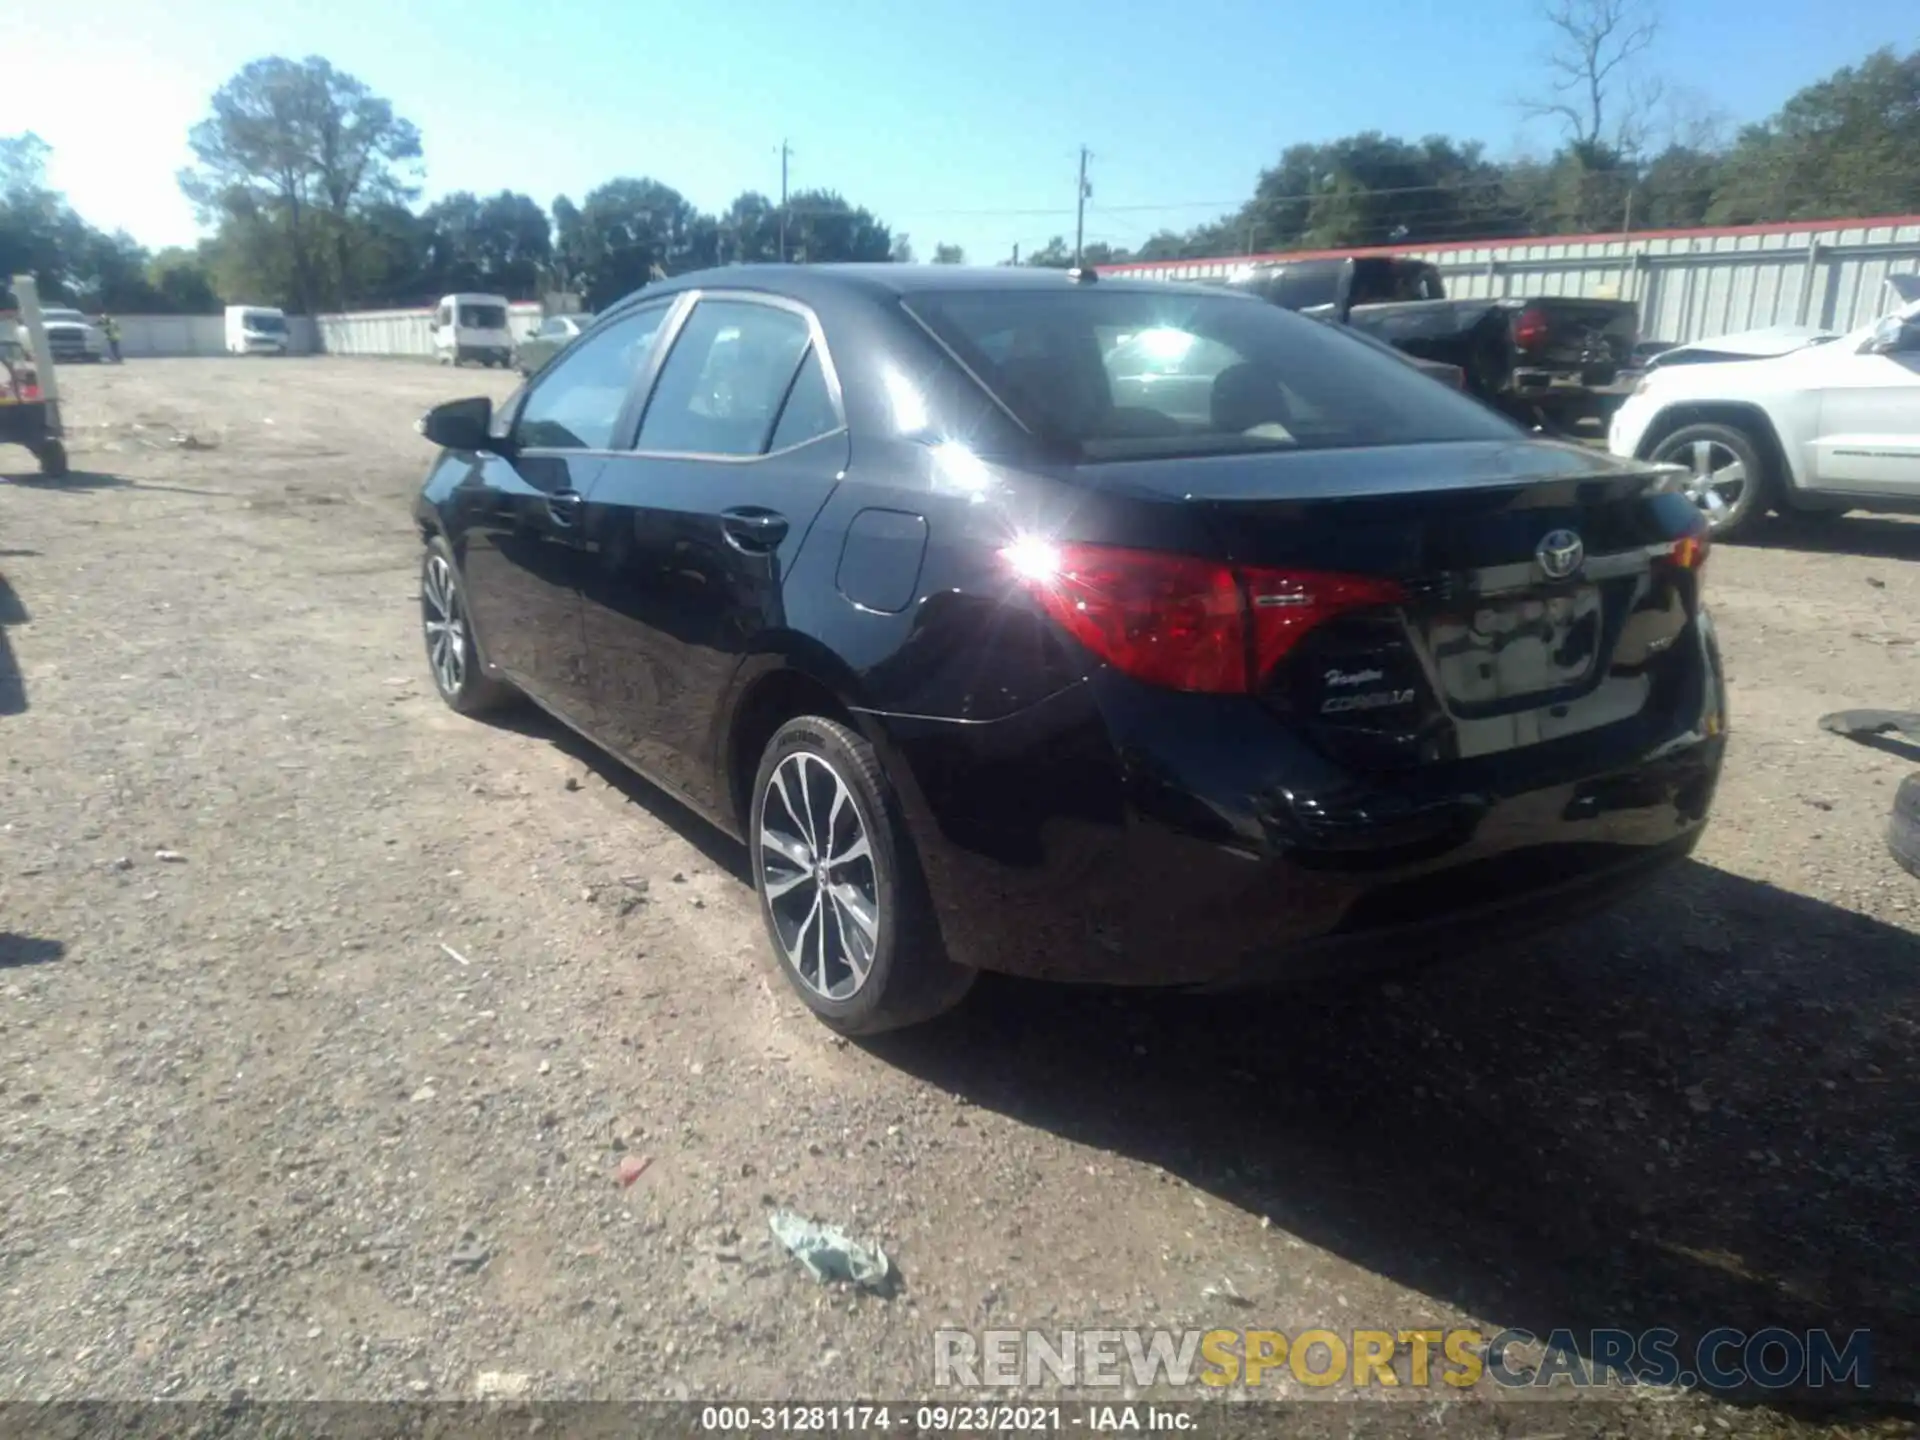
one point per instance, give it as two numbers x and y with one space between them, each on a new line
73 480
1869 536
89 480
714 844
19 951
13 685
1700 1111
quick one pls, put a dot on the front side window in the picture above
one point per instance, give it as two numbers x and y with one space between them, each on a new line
576 402
1112 374
724 380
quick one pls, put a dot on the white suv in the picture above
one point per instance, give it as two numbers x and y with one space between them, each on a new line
1799 421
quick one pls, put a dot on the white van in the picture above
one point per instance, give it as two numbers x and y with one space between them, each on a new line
472 327
256 330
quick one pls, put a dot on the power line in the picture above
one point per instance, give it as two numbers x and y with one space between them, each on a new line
1443 187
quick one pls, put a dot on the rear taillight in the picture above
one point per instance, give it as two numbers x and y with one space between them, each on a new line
1181 622
1530 329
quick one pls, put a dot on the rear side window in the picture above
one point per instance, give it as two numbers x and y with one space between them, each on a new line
723 382
1115 374
809 412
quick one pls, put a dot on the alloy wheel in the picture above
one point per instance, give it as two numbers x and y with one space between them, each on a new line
445 625
817 874
1717 481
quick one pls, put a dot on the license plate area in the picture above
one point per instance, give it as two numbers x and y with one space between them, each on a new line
1508 648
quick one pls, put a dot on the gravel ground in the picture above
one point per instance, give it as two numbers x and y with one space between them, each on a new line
327 1018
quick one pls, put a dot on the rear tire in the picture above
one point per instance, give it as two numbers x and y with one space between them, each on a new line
453 655
1712 454
53 460
848 916
1903 826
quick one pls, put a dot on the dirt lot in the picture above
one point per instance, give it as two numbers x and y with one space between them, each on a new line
260 1131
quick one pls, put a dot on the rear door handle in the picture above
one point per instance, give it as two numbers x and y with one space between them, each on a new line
564 506
753 530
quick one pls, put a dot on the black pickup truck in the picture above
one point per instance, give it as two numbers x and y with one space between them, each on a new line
1545 361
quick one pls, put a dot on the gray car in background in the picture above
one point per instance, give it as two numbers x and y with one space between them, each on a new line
556 332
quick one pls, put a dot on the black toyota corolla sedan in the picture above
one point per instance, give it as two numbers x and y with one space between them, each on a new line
1023 620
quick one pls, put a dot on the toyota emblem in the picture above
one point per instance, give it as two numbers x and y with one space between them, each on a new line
1559 553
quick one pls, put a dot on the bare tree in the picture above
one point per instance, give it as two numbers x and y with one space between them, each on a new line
1595 74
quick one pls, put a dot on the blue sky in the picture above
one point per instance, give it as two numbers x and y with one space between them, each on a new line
954 120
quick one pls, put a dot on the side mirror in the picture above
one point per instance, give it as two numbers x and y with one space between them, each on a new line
460 425
1895 336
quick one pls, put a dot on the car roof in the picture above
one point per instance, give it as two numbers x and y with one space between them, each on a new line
805 282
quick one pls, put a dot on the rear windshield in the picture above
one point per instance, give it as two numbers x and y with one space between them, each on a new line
483 317
1118 375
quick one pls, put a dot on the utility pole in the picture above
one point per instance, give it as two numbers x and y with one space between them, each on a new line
785 153
1080 209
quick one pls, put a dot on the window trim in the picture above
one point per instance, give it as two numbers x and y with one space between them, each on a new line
817 343
623 417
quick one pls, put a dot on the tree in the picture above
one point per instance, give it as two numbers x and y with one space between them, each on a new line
823 228
750 230
301 150
1369 189
1594 65
502 244
182 282
626 229
902 251
1056 254
945 254
1846 145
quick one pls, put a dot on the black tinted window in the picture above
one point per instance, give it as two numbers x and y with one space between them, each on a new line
575 402
809 412
1117 374
724 379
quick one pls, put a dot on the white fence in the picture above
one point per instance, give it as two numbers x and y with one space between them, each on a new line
146 337
402 332
1689 284
367 332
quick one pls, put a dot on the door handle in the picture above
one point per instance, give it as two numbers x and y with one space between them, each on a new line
753 530
564 506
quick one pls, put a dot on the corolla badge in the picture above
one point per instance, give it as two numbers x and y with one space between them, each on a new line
1559 553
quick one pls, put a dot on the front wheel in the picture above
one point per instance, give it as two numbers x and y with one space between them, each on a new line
1728 476
53 460
840 887
452 653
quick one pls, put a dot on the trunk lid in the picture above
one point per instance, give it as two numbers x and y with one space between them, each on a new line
1543 597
